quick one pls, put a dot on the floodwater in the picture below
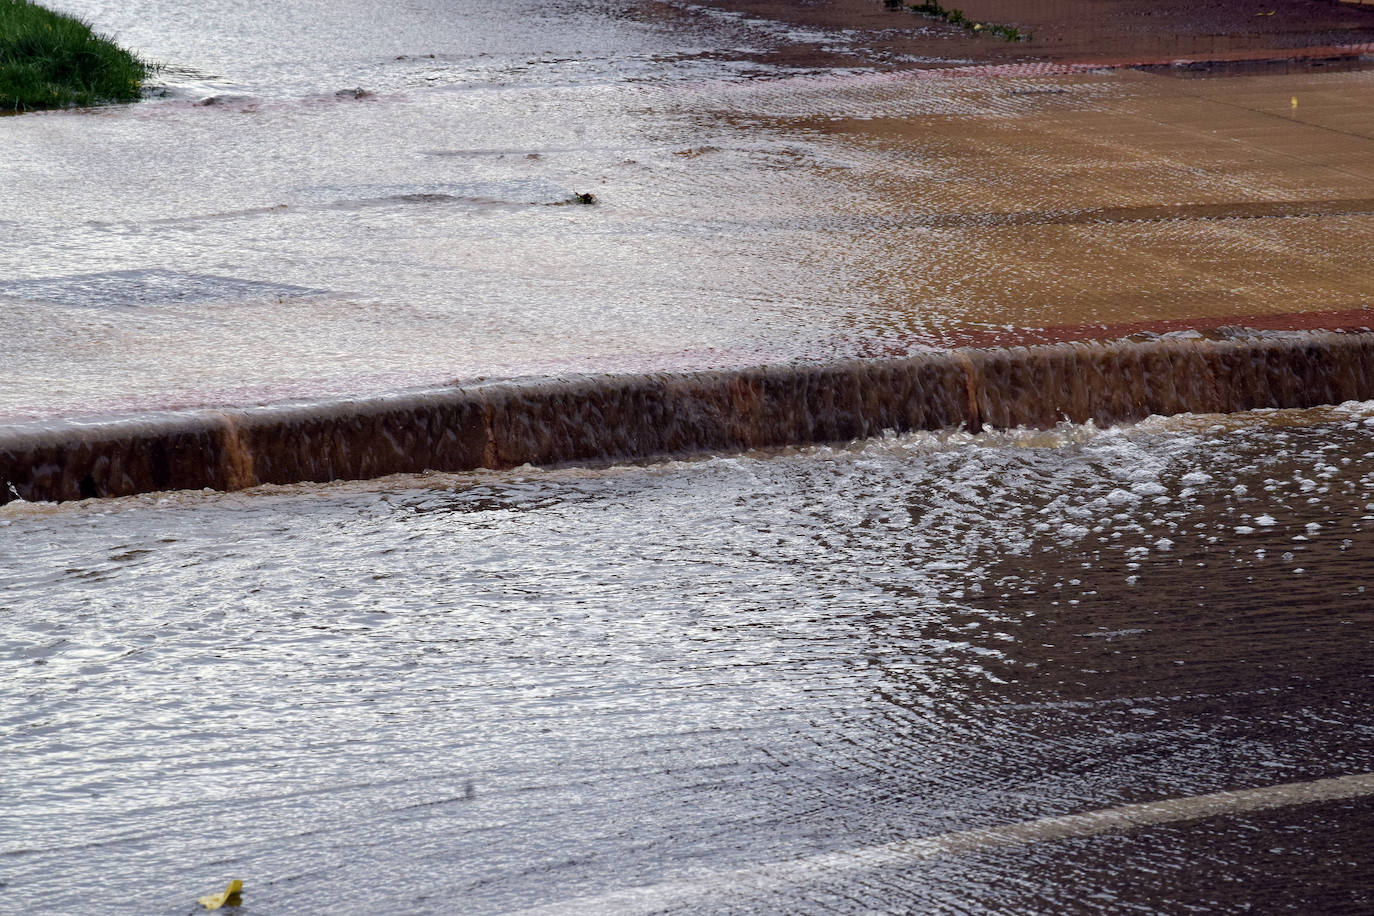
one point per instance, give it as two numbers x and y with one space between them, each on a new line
412 233
802 681
325 201
999 673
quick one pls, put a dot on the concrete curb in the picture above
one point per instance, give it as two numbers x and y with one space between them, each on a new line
630 417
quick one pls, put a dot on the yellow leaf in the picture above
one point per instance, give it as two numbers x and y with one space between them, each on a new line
229 895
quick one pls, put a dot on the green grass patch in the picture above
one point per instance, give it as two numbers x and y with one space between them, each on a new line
50 60
932 9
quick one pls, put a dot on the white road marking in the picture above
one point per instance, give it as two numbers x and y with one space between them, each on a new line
778 875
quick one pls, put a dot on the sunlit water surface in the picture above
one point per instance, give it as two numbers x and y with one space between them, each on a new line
340 199
517 689
325 200
481 693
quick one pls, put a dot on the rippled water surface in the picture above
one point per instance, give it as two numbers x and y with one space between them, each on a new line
335 199
541 688
751 683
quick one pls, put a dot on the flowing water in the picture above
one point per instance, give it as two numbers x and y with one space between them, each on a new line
542 688
952 672
639 416
318 207
333 199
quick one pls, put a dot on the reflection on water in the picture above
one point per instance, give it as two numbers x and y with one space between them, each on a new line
514 689
517 689
747 213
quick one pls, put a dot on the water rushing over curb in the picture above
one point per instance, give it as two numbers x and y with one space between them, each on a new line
638 416
511 689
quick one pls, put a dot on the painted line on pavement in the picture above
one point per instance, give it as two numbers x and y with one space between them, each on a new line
781 875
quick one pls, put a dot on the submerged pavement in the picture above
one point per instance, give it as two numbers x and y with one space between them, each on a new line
1074 670
994 674
329 224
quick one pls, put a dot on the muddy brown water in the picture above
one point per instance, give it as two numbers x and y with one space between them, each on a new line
634 417
1097 30
1119 664
302 239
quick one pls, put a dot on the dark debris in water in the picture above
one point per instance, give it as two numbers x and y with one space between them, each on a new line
582 198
